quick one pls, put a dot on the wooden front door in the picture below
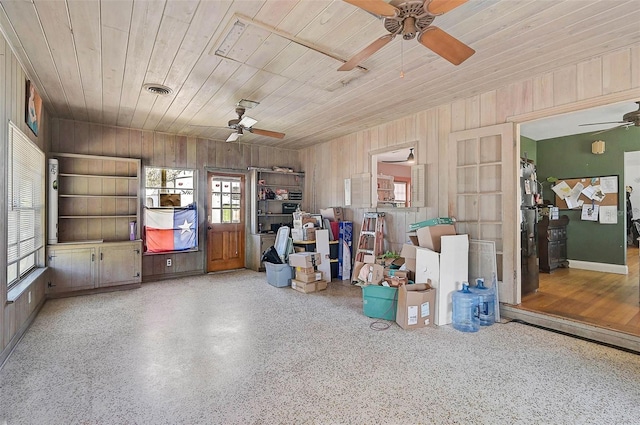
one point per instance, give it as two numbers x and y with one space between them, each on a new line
225 222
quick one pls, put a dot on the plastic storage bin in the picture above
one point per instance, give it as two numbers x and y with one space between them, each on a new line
380 302
279 275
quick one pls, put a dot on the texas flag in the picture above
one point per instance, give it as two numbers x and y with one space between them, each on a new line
170 229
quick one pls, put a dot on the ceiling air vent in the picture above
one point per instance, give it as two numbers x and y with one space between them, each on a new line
158 89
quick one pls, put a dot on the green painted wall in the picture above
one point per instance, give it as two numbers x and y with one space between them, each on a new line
528 146
571 157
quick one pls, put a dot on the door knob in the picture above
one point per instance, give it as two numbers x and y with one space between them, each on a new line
209 227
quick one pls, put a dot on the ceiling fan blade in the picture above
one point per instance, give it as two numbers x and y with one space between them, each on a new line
438 7
626 125
366 52
247 121
266 133
600 123
233 137
445 45
377 7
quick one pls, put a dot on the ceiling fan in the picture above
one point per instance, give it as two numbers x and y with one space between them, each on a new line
629 119
410 159
410 19
244 123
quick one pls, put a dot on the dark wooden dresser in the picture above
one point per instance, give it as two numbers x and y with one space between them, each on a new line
552 243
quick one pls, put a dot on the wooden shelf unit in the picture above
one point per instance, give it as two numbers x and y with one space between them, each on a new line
265 212
97 197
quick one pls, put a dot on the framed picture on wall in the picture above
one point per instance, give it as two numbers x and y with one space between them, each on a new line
34 108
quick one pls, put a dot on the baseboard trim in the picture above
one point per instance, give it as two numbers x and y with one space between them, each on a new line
599 267
6 353
579 329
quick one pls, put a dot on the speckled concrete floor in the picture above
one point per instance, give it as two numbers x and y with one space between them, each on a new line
230 349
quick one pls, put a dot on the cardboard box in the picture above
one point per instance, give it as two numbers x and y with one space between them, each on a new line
389 272
332 214
429 237
307 287
369 274
305 270
416 306
396 281
431 222
304 259
308 277
310 234
413 237
369 258
409 254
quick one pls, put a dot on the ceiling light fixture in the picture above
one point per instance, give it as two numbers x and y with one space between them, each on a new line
247 104
411 159
597 147
232 37
158 89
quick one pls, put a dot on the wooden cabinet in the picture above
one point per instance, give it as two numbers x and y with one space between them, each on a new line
552 243
78 267
259 243
97 197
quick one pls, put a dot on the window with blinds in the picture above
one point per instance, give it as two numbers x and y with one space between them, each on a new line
25 222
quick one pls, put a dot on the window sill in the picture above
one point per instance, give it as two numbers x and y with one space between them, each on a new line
14 293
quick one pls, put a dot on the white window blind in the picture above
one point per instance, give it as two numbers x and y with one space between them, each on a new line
25 223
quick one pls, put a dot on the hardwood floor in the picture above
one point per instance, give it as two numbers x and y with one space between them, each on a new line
602 299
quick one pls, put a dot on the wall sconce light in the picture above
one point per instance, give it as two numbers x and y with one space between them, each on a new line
597 147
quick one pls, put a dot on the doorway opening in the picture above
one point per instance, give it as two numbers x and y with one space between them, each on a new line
600 286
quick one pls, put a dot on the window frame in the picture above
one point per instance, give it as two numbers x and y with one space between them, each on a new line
146 186
171 207
37 205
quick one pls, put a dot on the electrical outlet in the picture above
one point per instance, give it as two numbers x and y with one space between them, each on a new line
29 297
168 262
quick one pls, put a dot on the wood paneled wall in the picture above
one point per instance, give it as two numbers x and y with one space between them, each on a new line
167 150
14 316
600 80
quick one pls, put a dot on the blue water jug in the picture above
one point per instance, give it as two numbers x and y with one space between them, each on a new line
465 310
486 309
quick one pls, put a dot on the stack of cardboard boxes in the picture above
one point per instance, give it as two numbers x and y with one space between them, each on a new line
437 259
308 278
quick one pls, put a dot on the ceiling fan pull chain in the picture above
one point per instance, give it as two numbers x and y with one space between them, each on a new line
402 58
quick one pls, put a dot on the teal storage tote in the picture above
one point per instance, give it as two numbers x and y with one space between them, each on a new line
380 302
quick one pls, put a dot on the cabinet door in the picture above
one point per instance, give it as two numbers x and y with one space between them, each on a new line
119 265
71 269
266 241
554 253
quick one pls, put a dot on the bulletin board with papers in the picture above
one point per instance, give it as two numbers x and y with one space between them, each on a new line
596 197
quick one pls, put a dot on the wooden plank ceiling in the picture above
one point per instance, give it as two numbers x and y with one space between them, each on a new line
90 59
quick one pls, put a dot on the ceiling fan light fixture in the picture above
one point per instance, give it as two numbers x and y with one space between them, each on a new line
411 159
233 137
409 28
247 122
248 104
